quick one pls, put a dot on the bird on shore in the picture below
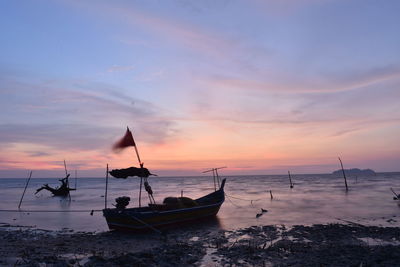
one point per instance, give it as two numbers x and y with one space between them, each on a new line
258 215
263 210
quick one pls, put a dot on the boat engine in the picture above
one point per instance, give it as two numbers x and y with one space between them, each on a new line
122 202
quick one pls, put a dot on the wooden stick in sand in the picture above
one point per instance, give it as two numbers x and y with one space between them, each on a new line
27 182
290 180
397 196
105 195
66 176
140 192
76 177
344 174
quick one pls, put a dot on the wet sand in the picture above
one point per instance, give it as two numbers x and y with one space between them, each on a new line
349 244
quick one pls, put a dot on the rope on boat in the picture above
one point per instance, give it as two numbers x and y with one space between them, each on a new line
146 224
250 200
91 211
244 199
232 202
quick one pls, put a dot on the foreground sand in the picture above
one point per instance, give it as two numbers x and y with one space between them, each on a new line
317 245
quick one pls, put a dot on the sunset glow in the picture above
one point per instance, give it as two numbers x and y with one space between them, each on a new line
261 87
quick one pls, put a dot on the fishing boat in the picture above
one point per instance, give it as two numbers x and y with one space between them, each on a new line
173 210
157 216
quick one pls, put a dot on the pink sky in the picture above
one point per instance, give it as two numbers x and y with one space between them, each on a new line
256 86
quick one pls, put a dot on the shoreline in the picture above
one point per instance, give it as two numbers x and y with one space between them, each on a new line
333 244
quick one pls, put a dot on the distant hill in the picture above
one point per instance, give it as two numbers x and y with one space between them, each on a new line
355 171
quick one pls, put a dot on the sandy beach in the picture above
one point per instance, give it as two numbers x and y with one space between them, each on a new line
266 132
349 244
315 224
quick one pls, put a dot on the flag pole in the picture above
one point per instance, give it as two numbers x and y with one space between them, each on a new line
141 166
136 150
138 157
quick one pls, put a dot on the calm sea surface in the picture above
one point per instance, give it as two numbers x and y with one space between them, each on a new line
314 199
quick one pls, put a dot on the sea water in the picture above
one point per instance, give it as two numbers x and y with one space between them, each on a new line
313 199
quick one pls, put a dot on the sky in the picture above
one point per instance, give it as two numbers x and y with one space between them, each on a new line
261 87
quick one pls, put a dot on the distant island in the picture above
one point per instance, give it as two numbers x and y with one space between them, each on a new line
355 171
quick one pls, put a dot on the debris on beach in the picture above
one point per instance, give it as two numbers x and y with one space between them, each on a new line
258 215
63 190
317 245
396 196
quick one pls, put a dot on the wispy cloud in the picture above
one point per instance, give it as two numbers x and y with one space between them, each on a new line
286 7
167 29
77 113
118 68
319 83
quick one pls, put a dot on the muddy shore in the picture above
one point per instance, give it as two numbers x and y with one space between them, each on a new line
274 245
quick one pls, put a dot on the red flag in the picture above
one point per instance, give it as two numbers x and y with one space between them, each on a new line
126 141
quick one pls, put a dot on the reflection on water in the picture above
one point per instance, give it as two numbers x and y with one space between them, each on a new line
314 199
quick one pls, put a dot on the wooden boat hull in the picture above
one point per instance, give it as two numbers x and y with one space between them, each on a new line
141 220
146 218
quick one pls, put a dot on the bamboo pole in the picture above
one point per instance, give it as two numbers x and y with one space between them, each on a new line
76 178
140 192
218 180
66 173
138 157
105 195
290 180
215 184
344 174
141 166
20 202
397 196
136 150
66 176
215 173
65 168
